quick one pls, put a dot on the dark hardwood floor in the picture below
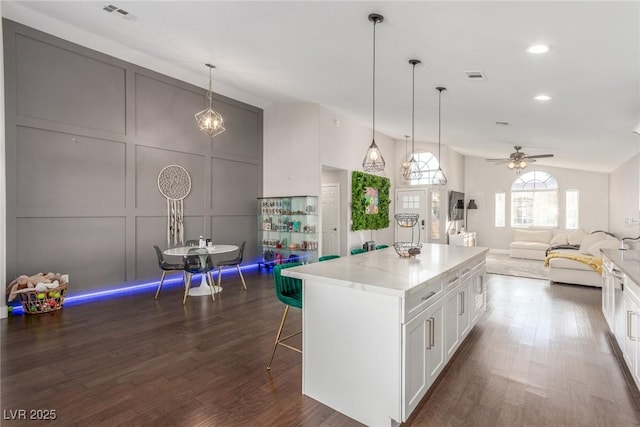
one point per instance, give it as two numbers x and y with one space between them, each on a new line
539 357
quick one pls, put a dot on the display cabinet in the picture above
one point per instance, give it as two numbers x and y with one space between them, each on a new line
288 229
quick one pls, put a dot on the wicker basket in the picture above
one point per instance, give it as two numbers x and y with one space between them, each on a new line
35 302
407 249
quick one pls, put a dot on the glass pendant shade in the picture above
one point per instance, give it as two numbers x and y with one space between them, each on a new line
439 178
373 160
405 162
210 121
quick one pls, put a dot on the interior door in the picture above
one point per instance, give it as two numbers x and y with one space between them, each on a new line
330 219
412 201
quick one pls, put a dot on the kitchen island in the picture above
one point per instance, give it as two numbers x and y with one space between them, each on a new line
378 329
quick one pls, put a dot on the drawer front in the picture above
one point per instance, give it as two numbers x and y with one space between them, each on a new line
452 279
423 298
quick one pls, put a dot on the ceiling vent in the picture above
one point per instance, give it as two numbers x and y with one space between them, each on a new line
503 124
112 8
475 75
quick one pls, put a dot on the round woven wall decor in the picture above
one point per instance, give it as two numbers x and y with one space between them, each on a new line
174 184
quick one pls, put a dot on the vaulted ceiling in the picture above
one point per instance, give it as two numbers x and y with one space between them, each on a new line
321 52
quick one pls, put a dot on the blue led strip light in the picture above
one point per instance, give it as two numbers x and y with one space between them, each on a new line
127 290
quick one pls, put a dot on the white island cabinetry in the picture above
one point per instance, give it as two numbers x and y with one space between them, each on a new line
375 326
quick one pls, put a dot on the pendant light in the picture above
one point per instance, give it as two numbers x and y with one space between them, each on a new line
209 121
439 178
373 160
414 171
405 162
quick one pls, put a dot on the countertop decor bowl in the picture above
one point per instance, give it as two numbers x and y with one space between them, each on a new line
407 249
407 219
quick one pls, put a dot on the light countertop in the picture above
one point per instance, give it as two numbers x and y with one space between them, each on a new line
383 271
628 261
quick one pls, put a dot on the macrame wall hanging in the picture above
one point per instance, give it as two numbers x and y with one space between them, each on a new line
174 183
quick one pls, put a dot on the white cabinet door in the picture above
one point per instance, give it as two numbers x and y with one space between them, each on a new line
415 361
464 317
435 341
451 313
629 349
479 295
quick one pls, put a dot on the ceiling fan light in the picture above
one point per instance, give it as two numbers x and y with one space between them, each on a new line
511 164
522 164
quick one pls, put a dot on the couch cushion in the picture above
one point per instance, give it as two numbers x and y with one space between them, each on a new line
540 236
575 237
568 264
529 246
590 239
608 243
560 239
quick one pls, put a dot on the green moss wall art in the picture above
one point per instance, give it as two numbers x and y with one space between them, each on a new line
369 201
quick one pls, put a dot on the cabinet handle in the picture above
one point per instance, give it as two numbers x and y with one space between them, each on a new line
628 324
466 272
428 296
461 298
631 337
453 279
481 283
463 307
432 330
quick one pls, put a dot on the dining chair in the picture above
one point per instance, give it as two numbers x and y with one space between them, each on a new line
357 251
328 257
289 292
166 267
198 261
232 262
195 242
381 246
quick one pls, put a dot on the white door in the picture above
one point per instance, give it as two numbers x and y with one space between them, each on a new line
412 201
330 219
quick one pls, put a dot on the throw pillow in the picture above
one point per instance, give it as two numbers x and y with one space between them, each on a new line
589 240
608 243
560 239
575 237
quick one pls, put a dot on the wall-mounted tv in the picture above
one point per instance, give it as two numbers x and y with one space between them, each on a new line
456 206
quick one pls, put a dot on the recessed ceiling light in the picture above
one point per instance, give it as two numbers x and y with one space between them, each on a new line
539 48
542 97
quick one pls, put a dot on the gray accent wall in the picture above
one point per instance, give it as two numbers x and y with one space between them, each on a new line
87 135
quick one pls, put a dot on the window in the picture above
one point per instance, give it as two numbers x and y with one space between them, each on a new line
500 209
435 215
572 209
411 202
534 200
429 163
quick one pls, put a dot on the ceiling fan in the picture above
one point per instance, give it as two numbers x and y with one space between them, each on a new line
518 159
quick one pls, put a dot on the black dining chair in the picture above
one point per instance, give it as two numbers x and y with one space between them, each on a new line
198 261
166 267
232 262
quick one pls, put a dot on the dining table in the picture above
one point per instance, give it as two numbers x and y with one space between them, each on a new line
203 288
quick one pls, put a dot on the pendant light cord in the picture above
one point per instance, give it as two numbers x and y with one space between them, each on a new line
413 107
373 136
439 123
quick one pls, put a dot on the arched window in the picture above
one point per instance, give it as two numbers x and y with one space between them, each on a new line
534 200
429 164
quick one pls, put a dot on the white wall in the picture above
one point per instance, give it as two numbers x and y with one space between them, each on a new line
484 179
624 188
343 144
291 160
